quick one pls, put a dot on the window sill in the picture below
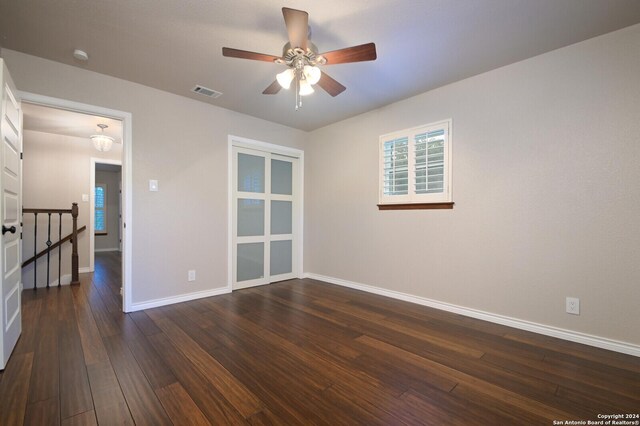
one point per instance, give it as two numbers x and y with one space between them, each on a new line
416 206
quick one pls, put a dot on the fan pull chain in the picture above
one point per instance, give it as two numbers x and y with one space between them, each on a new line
298 97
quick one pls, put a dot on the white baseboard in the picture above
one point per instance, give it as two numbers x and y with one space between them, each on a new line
85 270
105 250
178 299
573 336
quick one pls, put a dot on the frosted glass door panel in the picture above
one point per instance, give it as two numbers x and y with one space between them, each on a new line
281 217
281 174
250 173
250 217
281 255
250 258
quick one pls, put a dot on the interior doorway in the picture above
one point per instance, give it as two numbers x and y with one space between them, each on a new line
105 208
106 222
124 140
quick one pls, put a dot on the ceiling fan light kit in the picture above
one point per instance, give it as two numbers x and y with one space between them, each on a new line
303 61
285 78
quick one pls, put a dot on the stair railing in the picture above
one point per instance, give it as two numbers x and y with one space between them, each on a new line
73 237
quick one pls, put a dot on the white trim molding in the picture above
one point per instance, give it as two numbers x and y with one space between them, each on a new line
560 333
155 303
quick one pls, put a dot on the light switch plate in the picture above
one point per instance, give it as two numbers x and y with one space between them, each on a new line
153 185
85 198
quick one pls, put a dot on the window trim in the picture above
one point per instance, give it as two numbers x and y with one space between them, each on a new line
411 200
96 208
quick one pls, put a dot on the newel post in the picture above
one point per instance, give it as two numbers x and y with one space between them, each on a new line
75 276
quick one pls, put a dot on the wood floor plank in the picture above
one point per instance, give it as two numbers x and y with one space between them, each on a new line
43 413
14 389
210 401
613 394
457 409
326 368
92 346
144 323
575 349
180 407
31 309
470 382
514 409
75 392
264 418
151 363
45 378
142 401
295 352
110 404
104 321
235 392
87 418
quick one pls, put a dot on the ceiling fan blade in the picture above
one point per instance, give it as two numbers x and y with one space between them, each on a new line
245 54
331 86
272 89
297 22
364 52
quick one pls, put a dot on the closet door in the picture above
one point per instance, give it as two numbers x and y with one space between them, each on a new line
264 219
283 218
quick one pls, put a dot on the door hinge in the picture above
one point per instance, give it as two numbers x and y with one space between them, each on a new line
21 156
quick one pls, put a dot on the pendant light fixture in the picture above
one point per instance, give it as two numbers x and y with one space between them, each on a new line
102 142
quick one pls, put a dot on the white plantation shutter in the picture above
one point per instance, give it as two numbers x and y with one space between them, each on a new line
396 166
429 162
416 165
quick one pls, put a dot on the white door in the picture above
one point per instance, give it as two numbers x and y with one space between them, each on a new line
10 212
265 217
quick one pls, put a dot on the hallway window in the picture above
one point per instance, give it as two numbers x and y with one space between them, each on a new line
101 209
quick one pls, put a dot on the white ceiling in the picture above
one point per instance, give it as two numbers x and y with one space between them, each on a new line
422 44
69 123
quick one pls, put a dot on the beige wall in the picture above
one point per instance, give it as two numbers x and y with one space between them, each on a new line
546 181
183 144
55 173
110 241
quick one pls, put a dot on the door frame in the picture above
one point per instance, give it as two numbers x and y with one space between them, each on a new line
127 176
240 142
92 206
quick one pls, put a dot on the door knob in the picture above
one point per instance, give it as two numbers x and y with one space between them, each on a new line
5 229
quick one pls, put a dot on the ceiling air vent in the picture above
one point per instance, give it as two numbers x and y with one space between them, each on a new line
201 90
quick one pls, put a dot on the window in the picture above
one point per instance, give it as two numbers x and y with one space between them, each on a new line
415 168
100 222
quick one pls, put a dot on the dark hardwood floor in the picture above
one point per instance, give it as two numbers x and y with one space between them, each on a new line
295 352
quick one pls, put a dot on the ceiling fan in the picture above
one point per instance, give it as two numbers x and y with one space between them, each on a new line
303 60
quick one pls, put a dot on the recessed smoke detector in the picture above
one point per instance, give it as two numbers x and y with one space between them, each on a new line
205 91
80 55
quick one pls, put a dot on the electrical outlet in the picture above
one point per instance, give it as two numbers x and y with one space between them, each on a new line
573 305
191 275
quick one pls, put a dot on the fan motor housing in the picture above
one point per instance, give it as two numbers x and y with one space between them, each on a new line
295 57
